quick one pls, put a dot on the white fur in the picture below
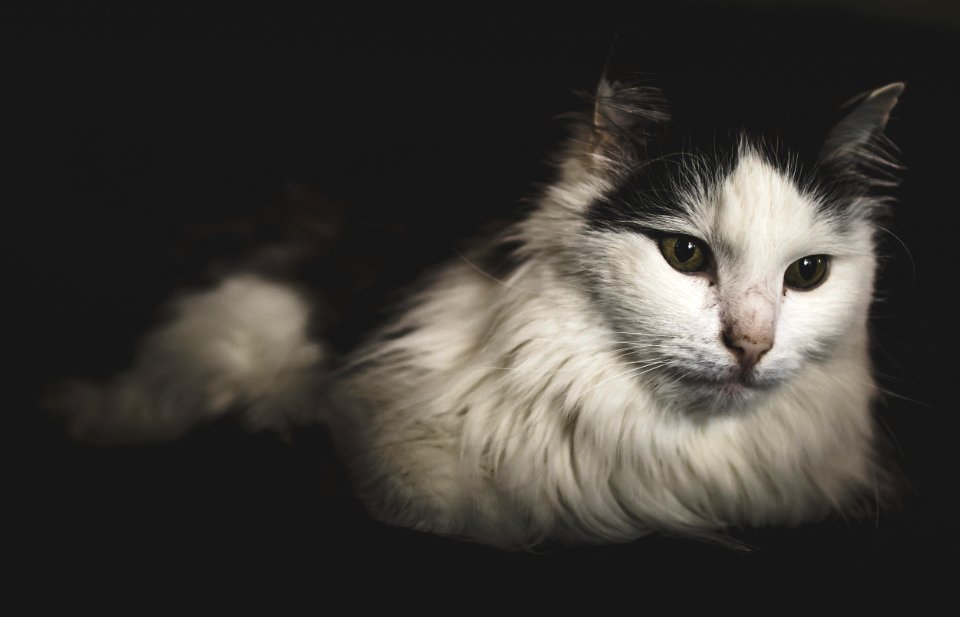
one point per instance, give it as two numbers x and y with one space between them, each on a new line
555 404
565 438
242 345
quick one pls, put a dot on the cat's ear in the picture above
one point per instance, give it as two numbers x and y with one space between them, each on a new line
625 117
857 143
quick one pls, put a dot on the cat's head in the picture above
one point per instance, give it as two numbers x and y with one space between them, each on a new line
722 270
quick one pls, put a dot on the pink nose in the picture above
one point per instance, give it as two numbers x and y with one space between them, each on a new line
747 348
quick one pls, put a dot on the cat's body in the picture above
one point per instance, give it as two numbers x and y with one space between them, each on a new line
649 359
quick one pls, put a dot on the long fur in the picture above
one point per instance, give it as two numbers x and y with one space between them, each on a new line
585 394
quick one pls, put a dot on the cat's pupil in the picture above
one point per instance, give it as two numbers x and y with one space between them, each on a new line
808 268
685 250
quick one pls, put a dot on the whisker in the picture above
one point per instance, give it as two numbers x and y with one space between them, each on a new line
639 370
913 263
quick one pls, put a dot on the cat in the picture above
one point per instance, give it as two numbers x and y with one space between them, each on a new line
674 339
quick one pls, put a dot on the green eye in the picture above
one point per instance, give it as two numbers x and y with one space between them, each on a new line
806 272
684 253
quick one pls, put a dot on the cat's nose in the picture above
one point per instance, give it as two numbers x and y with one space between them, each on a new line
748 347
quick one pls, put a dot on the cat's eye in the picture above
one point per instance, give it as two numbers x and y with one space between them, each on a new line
806 273
684 253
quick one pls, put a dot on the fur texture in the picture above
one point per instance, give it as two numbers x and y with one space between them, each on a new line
590 392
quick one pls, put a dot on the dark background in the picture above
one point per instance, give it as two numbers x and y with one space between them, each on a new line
143 146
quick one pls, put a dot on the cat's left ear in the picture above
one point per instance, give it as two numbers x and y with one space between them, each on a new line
857 140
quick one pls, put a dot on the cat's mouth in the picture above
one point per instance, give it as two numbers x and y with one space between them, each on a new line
738 383
727 390
746 378
720 386
734 381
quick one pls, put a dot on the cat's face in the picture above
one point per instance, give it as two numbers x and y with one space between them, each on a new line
746 282
721 276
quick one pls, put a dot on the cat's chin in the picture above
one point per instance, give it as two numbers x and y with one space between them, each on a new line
726 397
727 392
738 389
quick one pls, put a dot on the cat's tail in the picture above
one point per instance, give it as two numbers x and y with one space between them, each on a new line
242 346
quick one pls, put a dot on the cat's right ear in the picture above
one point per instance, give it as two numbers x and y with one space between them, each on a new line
625 118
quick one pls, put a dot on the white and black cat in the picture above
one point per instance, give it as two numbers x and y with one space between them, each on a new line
678 342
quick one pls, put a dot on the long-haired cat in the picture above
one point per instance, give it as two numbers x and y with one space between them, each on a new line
675 339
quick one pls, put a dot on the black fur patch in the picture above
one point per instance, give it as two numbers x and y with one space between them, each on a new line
654 190
709 121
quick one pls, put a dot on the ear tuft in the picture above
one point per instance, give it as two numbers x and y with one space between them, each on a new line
881 102
625 114
851 140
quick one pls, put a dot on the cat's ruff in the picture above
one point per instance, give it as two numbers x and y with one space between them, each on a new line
588 394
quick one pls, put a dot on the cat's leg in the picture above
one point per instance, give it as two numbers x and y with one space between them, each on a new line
242 345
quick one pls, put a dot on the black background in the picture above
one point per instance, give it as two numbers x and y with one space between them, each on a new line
141 146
